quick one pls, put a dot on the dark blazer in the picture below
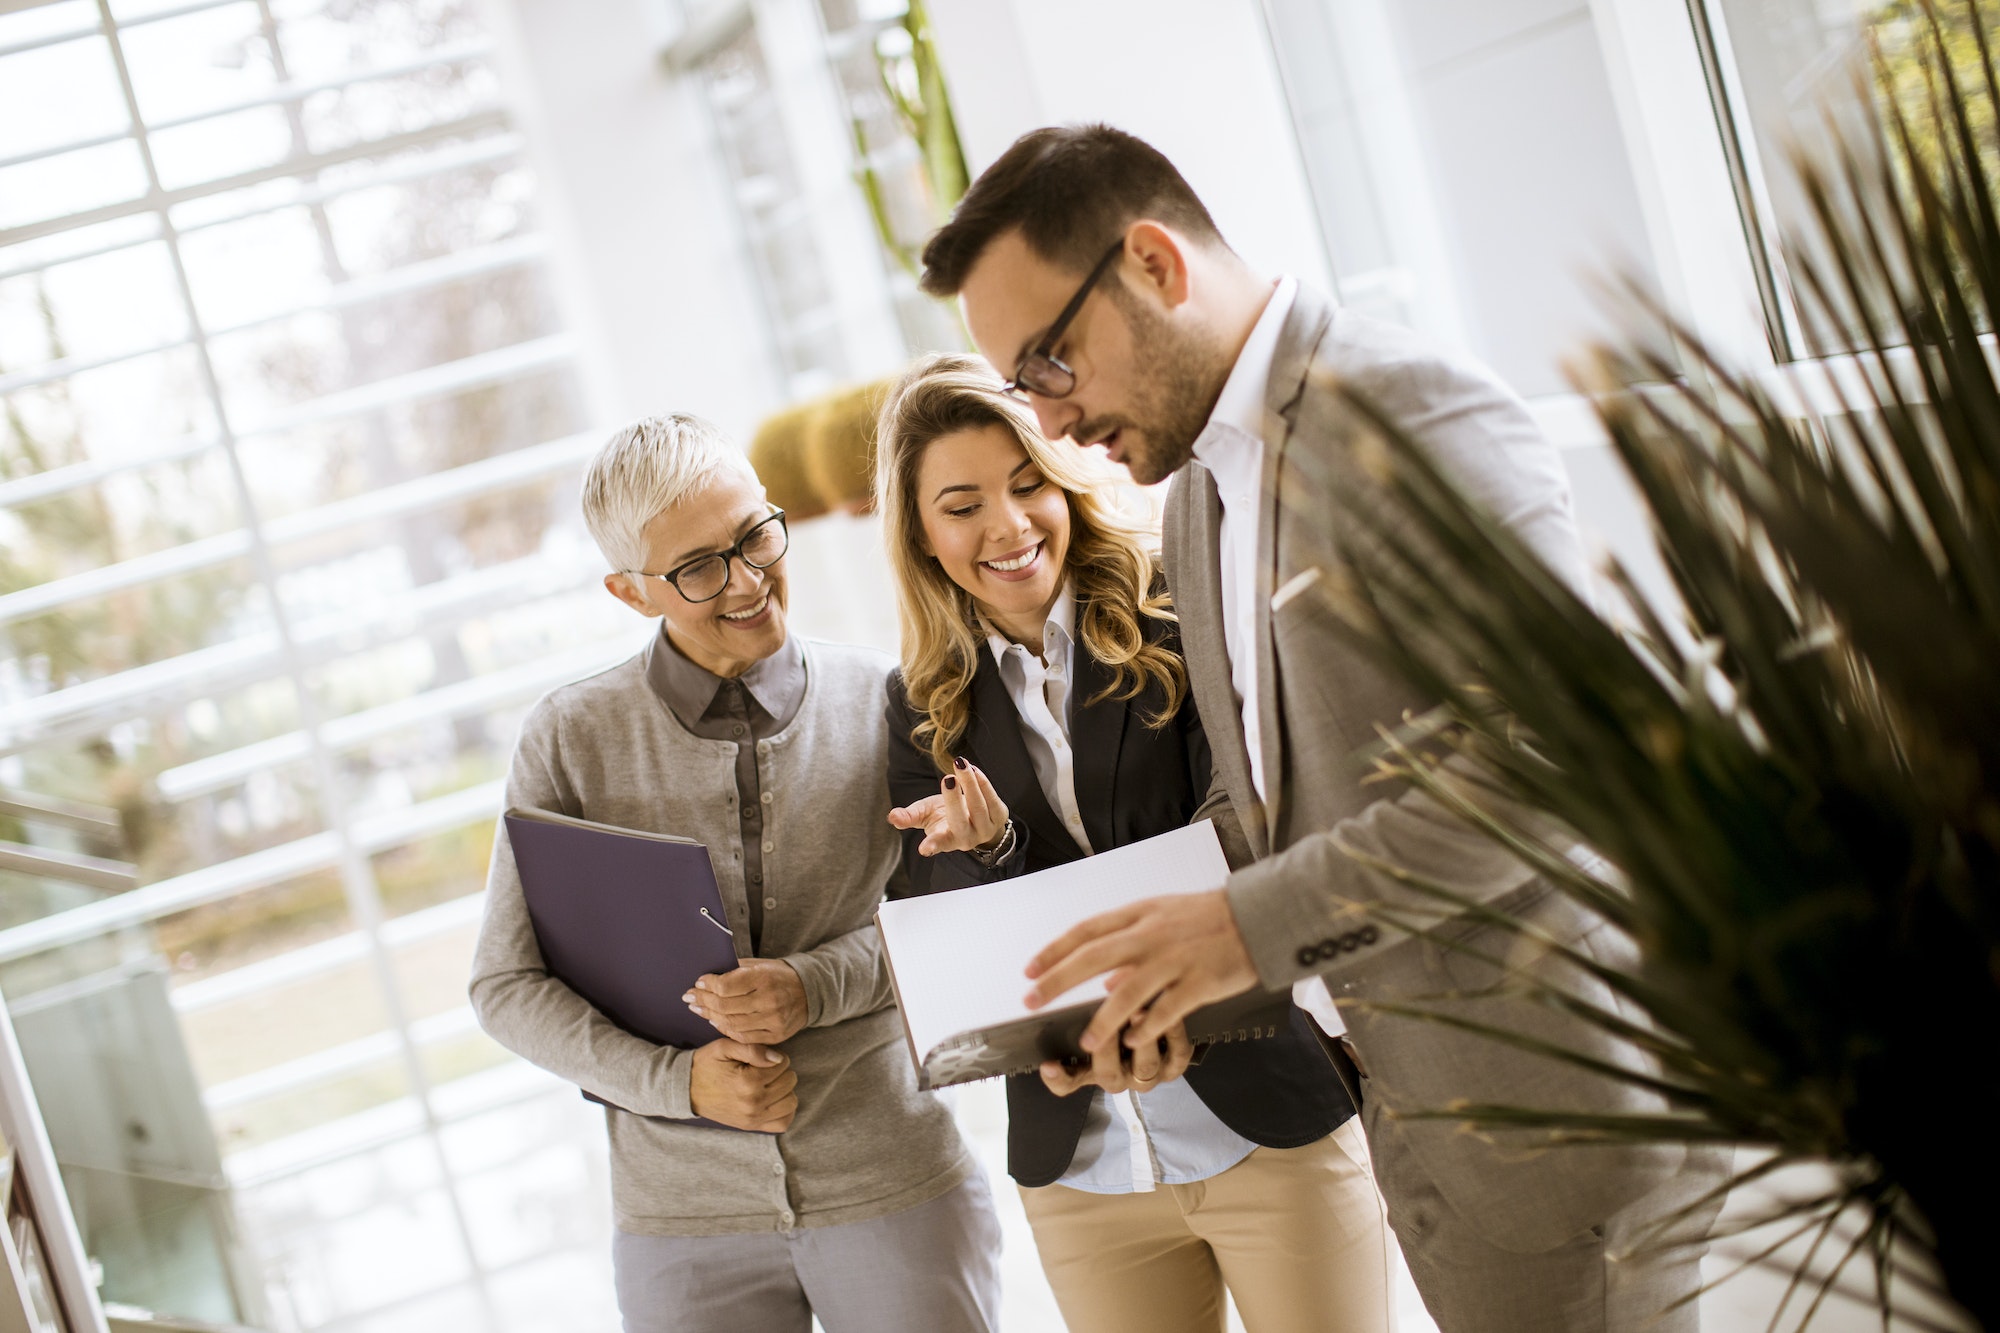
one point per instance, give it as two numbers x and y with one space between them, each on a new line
1132 782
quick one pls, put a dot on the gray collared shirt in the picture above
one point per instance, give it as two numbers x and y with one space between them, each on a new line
754 706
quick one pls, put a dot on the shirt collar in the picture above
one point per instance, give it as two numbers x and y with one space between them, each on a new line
1241 404
777 683
1058 630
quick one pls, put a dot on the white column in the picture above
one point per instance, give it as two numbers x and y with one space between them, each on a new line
649 258
1702 256
1194 78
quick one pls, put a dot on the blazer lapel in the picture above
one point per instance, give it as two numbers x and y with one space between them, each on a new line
1305 325
1191 541
998 748
1097 733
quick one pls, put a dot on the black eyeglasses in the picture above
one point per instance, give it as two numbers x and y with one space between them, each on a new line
1040 373
703 578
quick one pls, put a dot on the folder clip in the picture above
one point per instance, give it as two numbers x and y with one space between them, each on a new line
717 924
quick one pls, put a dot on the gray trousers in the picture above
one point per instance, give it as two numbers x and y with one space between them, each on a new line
934 1268
1586 1285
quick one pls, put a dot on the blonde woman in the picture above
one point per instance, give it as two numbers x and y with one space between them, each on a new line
1041 714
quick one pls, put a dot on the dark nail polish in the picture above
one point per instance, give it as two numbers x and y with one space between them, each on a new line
951 784
959 761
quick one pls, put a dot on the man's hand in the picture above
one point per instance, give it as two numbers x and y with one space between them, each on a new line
1169 956
762 1001
966 815
1115 1069
742 1086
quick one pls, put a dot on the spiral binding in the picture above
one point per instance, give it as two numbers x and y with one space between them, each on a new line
1223 1038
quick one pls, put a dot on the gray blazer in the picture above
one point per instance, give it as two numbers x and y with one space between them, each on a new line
1303 905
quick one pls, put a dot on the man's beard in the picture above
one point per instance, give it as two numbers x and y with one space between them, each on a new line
1176 380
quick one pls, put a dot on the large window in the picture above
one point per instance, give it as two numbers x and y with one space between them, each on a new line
1783 72
287 543
798 95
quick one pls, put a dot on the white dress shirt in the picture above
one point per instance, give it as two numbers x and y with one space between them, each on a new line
1040 688
1167 1135
1231 447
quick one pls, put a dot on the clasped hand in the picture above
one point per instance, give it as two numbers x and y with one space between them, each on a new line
743 1086
739 1080
761 1002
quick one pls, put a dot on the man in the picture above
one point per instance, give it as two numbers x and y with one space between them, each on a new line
850 1196
1092 276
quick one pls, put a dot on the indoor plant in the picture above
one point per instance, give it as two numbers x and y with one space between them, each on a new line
1796 774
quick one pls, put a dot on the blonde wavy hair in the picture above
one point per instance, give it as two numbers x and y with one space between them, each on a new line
1110 559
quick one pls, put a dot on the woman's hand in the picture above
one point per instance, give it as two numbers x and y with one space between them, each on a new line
1115 1068
966 815
743 1086
761 1003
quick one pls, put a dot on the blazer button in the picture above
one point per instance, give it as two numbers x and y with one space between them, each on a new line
1307 956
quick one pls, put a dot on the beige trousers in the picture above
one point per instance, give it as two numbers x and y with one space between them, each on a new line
1297 1235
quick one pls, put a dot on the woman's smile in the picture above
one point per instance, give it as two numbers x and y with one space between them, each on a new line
1017 566
748 617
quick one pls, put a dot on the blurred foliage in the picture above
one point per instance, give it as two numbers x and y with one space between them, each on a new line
72 533
778 452
819 455
913 80
217 937
1798 784
1908 80
840 445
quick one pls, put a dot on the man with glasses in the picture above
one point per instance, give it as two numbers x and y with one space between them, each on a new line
1092 275
851 1198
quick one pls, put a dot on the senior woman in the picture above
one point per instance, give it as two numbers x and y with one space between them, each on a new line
857 1202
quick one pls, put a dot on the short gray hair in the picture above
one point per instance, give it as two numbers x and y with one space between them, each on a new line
646 468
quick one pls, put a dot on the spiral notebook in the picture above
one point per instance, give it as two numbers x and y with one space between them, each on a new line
958 959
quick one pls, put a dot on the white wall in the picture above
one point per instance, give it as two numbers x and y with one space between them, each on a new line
1470 158
1194 78
649 256
1531 170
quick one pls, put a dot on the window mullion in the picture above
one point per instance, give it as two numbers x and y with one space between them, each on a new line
363 895
1654 59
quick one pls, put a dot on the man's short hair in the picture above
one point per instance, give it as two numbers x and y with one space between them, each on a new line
646 468
1071 190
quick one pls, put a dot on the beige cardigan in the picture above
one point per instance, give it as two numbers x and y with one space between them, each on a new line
865 1142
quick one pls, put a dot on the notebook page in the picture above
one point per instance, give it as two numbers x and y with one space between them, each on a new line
960 957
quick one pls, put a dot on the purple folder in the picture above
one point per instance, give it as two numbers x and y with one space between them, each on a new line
625 919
